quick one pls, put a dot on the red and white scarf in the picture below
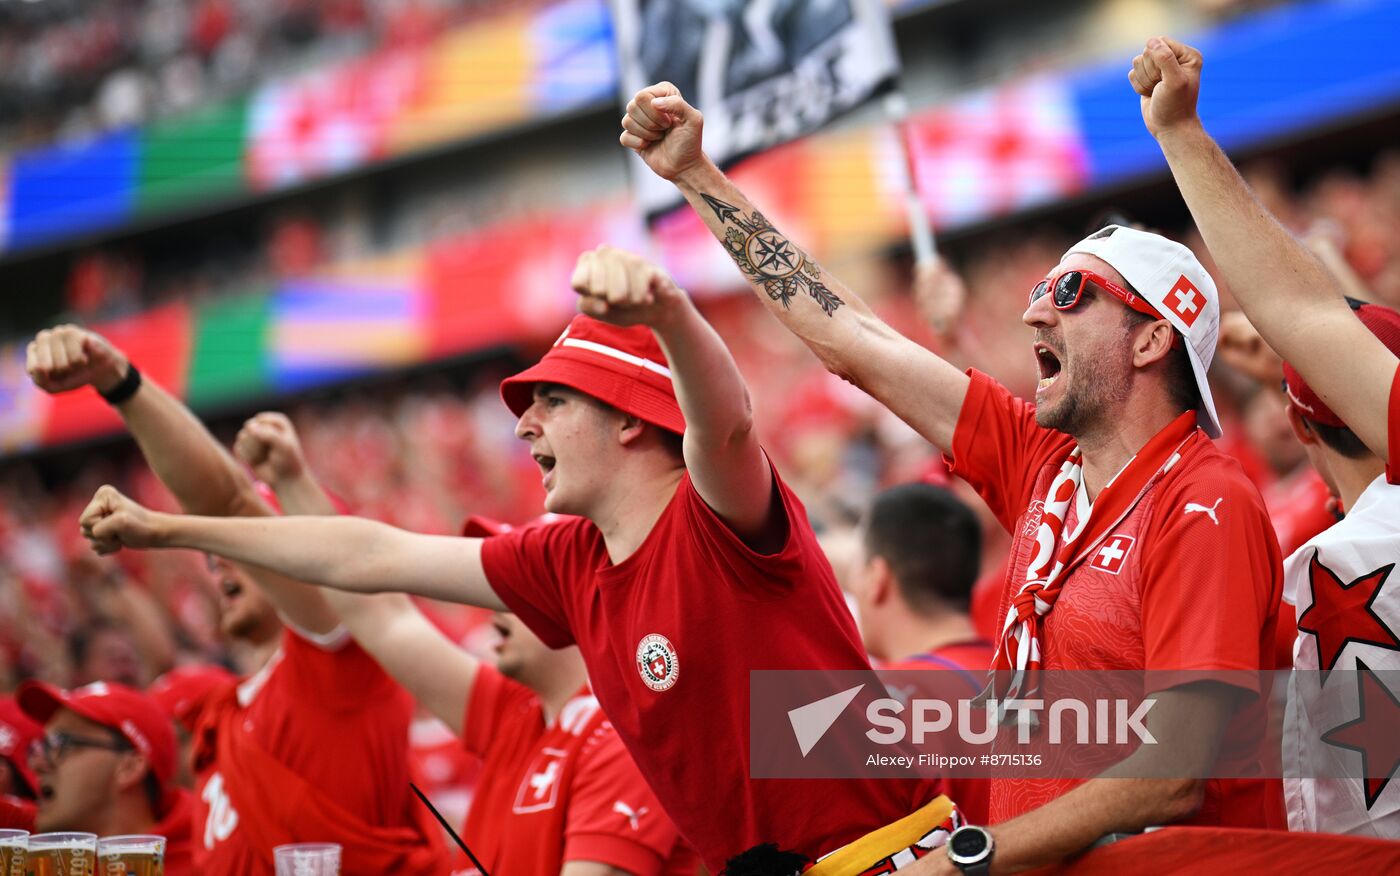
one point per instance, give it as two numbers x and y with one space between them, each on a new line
1018 656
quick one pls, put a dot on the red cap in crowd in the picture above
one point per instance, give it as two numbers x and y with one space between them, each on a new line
137 717
182 688
18 733
623 367
1383 322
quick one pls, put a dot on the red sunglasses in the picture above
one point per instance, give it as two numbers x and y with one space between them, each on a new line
1068 288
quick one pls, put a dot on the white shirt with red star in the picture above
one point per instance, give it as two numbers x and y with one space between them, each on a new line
1340 726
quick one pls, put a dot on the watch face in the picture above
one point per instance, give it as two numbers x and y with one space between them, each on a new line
968 843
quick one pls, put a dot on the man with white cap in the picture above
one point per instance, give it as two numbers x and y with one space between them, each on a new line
1136 543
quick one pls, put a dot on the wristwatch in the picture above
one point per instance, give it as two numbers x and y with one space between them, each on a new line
970 849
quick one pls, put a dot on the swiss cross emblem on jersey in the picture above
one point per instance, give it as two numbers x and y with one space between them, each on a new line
1111 555
1186 301
539 790
657 662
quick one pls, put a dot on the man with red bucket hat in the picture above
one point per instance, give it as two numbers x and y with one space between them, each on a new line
106 764
689 564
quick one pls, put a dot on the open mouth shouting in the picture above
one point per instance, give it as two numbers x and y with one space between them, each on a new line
1048 364
546 464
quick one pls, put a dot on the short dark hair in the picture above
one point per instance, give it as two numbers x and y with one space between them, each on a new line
932 542
1181 377
1340 439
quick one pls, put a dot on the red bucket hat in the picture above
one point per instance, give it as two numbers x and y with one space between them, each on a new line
623 367
1383 322
137 717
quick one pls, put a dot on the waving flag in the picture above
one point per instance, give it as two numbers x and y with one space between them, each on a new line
762 71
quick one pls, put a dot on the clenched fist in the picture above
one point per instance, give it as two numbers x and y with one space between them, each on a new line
68 357
111 522
1167 77
664 130
623 288
268 444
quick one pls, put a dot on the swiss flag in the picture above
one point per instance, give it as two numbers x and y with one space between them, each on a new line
1111 556
1186 301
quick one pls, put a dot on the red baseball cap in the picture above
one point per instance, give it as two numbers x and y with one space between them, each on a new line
184 687
137 717
1383 322
18 733
623 367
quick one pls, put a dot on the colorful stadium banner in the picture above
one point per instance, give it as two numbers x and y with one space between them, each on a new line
523 64
762 74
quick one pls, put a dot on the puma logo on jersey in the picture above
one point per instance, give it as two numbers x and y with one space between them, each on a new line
1209 512
634 817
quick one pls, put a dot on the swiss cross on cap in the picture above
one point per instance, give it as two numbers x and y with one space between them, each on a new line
1186 301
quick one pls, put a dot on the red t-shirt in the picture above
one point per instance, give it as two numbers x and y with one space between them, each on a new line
1392 468
1171 589
179 846
559 792
669 636
329 713
971 660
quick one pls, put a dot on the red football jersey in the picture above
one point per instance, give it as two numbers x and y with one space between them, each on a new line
325 710
558 792
669 636
972 661
1191 577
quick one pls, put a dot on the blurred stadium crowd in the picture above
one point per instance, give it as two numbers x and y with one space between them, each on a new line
72 69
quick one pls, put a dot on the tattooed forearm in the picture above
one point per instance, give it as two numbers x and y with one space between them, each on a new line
768 258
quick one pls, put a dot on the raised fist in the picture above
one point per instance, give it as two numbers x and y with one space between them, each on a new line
68 357
1167 78
664 130
624 289
940 295
268 444
1245 351
111 522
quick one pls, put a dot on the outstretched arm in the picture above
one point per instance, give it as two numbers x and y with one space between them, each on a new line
346 553
722 453
1284 289
388 625
851 341
202 475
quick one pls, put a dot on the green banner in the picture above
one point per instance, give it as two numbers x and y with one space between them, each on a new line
230 350
193 156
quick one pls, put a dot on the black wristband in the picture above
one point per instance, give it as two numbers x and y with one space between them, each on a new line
125 389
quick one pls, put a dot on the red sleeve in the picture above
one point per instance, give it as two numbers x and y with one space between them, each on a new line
527 568
1392 468
1211 591
495 707
998 448
614 818
334 670
760 575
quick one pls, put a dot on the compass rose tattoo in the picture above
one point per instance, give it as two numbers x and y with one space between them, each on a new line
766 256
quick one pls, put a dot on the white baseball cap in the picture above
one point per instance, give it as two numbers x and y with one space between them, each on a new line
1170 278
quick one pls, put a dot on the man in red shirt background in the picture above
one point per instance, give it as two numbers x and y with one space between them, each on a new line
106 765
919 558
1136 543
558 795
270 751
19 788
